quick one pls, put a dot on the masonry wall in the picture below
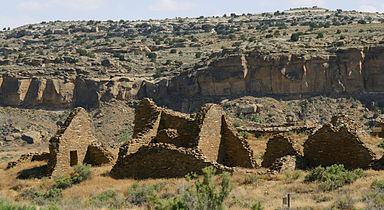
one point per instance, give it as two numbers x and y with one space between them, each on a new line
278 147
332 145
183 126
210 116
75 135
234 149
162 161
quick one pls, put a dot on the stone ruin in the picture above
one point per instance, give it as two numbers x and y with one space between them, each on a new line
74 144
30 157
378 129
172 144
278 147
338 143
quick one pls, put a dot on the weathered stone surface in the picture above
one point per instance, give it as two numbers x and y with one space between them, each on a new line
31 137
277 147
98 155
162 161
69 146
158 130
378 129
288 163
9 138
237 73
74 144
44 156
234 149
337 145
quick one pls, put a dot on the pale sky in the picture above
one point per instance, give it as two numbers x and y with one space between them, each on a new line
20 12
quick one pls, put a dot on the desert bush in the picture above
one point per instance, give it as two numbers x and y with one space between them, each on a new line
250 179
244 134
290 177
14 206
333 176
62 182
53 195
295 37
107 199
139 195
201 195
374 199
236 124
345 202
81 173
257 206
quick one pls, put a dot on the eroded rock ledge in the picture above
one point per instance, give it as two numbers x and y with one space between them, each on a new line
232 73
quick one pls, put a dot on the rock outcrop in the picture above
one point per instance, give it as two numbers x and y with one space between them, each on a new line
338 144
31 137
353 72
230 74
169 143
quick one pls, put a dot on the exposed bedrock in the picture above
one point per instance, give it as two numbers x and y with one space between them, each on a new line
233 73
353 72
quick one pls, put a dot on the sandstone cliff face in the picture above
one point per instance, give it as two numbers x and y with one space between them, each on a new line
61 93
236 73
354 72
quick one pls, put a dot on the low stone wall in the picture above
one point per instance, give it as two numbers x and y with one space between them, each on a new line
30 157
162 161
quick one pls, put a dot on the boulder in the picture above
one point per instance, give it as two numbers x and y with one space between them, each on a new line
31 137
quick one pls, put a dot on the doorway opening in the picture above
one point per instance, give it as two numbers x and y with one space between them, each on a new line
73 158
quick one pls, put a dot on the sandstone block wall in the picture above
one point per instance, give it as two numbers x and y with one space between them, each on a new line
165 132
70 144
277 147
210 136
337 145
234 149
98 155
162 161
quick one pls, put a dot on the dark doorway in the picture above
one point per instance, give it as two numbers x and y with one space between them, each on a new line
73 158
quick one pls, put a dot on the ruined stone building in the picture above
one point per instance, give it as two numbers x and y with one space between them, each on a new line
338 143
75 144
172 144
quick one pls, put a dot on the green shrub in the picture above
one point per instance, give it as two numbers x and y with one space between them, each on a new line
344 203
201 195
198 54
250 179
333 177
244 134
138 196
381 145
81 173
107 199
362 21
257 206
320 35
295 37
255 118
173 51
42 198
62 183
236 124
125 136
374 199
14 206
